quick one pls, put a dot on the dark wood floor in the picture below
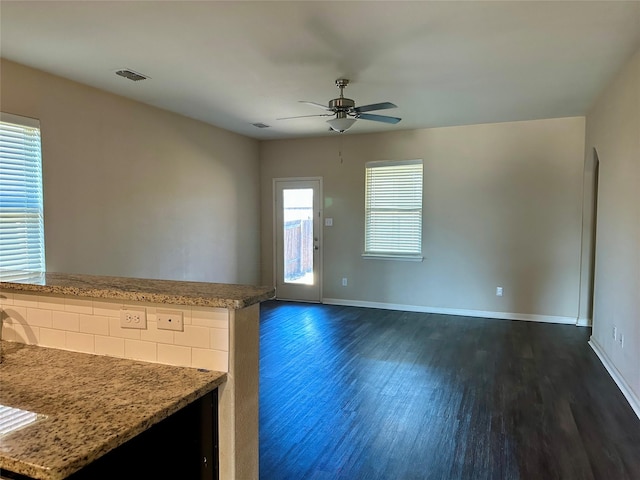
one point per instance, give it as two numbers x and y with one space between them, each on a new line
355 393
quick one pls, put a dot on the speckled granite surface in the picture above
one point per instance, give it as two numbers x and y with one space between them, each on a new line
137 289
93 404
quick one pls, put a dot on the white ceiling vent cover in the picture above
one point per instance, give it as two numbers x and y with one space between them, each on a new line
131 75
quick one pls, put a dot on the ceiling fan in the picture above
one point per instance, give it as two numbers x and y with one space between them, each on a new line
345 111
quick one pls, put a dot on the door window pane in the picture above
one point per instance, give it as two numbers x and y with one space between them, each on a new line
297 207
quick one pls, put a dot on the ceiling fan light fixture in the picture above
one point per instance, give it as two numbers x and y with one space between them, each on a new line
341 124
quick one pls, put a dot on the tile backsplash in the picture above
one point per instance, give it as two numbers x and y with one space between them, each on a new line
93 326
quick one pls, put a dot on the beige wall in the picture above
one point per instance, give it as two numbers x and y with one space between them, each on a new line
613 130
137 191
502 207
133 190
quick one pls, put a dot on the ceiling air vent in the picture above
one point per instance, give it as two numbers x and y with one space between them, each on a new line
131 75
260 125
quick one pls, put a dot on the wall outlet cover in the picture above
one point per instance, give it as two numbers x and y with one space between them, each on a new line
133 318
170 320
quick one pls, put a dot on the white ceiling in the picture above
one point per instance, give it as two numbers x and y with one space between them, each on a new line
234 63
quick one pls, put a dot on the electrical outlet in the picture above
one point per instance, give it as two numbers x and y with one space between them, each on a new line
133 318
344 281
621 340
170 320
498 291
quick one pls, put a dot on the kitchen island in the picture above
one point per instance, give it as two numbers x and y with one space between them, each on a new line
219 333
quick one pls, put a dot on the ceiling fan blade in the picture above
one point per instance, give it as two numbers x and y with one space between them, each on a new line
378 118
305 116
374 106
314 104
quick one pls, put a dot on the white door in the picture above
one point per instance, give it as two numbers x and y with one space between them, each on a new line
297 239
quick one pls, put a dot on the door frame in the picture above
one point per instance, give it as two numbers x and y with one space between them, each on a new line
589 240
274 243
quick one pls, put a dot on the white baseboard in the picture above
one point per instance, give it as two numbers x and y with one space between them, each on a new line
583 322
452 311
624 387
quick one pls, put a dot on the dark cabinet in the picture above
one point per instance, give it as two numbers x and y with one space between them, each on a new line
182 446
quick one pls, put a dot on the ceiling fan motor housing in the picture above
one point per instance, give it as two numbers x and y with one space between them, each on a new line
344 104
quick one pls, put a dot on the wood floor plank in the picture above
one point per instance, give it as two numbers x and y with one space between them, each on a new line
355 393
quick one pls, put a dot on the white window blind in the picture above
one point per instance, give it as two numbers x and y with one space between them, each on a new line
393 209
21 212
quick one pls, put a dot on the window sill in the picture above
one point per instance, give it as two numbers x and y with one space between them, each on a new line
390 256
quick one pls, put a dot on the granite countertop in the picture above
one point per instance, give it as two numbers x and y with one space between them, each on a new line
92 405
174 292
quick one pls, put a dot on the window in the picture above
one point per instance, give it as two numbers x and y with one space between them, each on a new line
21 212
393 210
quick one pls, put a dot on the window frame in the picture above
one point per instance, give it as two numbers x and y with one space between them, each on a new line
29 201
412 256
